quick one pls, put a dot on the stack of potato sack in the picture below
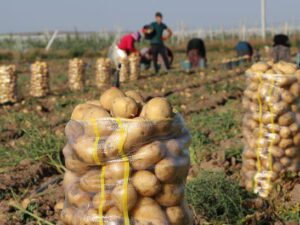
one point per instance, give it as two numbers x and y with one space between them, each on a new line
8 84
271 130
39 84
76 74
127 162
134 63
125 69
103 72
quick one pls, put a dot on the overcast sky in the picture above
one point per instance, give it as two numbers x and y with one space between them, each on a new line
96 15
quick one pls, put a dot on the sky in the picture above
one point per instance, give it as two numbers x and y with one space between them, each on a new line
96 15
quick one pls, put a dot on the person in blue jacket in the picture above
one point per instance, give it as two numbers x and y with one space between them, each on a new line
244 48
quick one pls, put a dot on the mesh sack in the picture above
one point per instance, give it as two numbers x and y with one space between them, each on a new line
39 84
103 72
76 74
8 84
134 64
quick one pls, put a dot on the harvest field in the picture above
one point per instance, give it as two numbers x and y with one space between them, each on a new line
32 138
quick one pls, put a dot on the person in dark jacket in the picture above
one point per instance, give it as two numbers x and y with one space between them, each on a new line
244 48
196 51
147 57
281 48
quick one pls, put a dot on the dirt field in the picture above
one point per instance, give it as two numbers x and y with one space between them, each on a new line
32 137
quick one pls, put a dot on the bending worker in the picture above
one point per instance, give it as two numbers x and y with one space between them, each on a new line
157 41
196 51
281 48
121 51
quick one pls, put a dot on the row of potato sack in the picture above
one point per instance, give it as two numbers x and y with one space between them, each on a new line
8 84
127 162
270 126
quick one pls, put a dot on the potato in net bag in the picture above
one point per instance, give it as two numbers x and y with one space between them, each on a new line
270 128
76 74
8 84
126 170
39 83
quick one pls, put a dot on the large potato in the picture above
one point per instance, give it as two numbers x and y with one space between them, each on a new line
109 96
165 170
107 203
67 215
85 148
136 96
158 109
91 181
146 183
119 192
78 197
86 112
138 132
124 107
148 155
286 119
170 195
115 171
147 211
260 67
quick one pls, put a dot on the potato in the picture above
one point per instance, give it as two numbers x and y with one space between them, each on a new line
285 132
91 182
67 215
291 152
286 119
148 155
295 90
173 147
249 154
115 171
158 109
73 130
170 195
249 164
294 128
280 108
175 215
86 112
109 96
274 138
139 131
165 170
117 196
72 161
277 167
84 147
108 204
69 179
285 161
86 217
147 211
113 212
276 151
260 67
287 97
296 139
76 196
146 183
136 96
124 107
285 143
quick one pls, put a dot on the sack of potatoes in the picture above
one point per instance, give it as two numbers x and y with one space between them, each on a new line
270 126
39 83
8 84
127 162
76 74
103 72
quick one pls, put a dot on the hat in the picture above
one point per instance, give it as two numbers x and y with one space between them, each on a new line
137 36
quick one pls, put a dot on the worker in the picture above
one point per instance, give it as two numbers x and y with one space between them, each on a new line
157 41
121 51
281 48
196 52
244 49
147 57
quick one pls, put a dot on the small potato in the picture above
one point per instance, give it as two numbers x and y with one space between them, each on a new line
173 147
108 204
115 171
146 183
109 96
280 108
85 148
286 119
249 154
69 179
285 161
117 196
76 196
165 170
170 195
91 181
291 152
86 217
124 107
67 215
148 155
158 109
147 211
285 132
296 139
285 143
249 164
277 167
136 96
276 151
176 215
274 138
268 117
287 97
294 128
